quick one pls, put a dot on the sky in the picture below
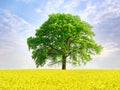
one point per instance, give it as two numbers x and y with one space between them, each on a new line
20 18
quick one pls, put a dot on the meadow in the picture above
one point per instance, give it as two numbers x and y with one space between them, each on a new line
59 79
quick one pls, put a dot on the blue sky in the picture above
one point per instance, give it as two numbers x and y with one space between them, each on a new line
20 18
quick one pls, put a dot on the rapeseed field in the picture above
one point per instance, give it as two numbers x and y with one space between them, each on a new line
60 79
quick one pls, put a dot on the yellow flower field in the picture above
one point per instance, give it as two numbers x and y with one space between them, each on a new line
60 79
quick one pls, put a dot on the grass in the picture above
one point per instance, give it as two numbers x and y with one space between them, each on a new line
60 79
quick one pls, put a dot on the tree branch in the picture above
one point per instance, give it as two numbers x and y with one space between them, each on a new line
55 48
52 63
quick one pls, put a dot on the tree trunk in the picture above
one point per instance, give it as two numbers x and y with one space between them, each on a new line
63 62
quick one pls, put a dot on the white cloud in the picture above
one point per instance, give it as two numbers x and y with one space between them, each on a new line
38 10
58 3
61 6
100 11
89 10
13 34
69 6
26 1
12 23
111 10
50 7
109 48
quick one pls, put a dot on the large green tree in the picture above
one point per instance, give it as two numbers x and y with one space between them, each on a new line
61 37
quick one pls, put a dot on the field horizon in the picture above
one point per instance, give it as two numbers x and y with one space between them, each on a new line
59 69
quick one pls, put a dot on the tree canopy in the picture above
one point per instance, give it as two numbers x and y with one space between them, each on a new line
63 37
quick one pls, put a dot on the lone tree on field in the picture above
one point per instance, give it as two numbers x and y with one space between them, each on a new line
61 37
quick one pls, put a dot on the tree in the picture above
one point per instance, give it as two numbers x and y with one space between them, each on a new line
61 37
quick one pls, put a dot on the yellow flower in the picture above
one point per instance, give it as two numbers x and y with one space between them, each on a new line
60 80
